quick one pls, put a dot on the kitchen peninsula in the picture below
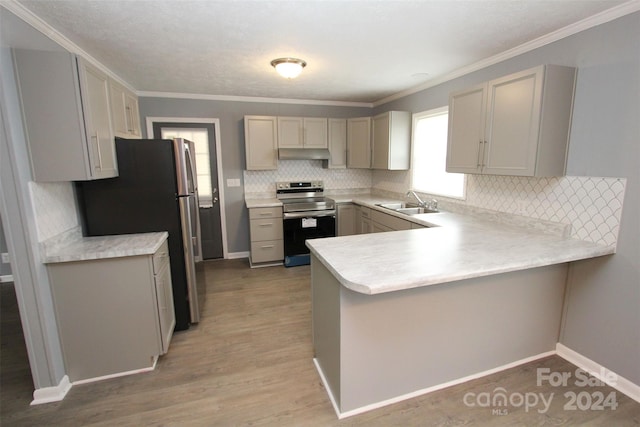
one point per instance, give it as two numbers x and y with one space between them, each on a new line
398 314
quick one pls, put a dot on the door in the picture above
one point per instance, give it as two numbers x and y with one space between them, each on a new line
203 136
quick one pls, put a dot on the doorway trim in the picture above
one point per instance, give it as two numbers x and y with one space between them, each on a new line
216 129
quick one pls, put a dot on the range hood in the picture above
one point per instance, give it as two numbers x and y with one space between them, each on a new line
303 154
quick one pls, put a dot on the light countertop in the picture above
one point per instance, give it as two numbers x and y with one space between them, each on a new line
457 247
262 203
100 247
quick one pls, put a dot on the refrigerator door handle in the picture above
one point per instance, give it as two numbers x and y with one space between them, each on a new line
189 257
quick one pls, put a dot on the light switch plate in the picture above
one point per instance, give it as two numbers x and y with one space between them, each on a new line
233 182
5 258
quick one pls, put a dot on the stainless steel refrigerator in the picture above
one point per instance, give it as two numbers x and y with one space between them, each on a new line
156 190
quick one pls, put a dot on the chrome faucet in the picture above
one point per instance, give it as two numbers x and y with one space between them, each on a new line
430 204
413 193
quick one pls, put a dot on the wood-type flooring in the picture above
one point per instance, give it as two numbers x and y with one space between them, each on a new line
249 363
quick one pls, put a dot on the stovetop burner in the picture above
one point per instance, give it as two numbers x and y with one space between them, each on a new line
301 196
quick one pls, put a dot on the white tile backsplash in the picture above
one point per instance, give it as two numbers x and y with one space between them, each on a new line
305 170
591 205
55 208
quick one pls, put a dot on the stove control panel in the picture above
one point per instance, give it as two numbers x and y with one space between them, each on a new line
302 185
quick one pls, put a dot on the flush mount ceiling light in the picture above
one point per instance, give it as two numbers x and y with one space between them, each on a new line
289 68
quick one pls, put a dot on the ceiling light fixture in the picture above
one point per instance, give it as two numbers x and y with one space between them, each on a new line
289 68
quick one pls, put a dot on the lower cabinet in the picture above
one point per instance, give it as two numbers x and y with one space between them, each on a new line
363 220
346 224
114 315
381 221
266 235
369 220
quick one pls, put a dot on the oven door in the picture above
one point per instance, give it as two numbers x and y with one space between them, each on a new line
300 226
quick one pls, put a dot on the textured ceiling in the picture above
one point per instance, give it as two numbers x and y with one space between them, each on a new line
357 51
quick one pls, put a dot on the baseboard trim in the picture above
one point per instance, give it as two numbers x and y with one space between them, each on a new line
237 255
423 391
119 374
620 383
52 394
265 264
336 408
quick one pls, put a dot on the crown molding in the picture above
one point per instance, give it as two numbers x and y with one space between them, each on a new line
232 98
40 25
587 23
590 22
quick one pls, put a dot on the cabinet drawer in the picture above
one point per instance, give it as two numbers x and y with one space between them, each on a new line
272 212
266 229
365 212
270 250
161 257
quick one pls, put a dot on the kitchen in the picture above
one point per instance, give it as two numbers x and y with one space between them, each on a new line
605 110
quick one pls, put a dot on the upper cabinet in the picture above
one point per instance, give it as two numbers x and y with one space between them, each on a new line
302 132
124 111
337 144
391 148
261 142
359 142
516 125
65 108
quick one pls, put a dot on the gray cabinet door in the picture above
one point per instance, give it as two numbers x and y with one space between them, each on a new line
66 100
359 143
261 142
466 130
346 219
94 88
337 143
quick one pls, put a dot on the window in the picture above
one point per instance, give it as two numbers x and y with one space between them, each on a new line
200 139
429 158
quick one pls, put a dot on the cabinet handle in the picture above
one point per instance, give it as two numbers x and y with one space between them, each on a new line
99 165
265 213
480 152
267 224
129 119
267 247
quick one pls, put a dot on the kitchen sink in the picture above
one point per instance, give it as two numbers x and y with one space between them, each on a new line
398 205
406 208
415 211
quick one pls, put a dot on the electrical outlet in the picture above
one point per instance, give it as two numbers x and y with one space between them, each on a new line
521 207
5 258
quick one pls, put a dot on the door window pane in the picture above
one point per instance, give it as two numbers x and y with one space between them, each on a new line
200 138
